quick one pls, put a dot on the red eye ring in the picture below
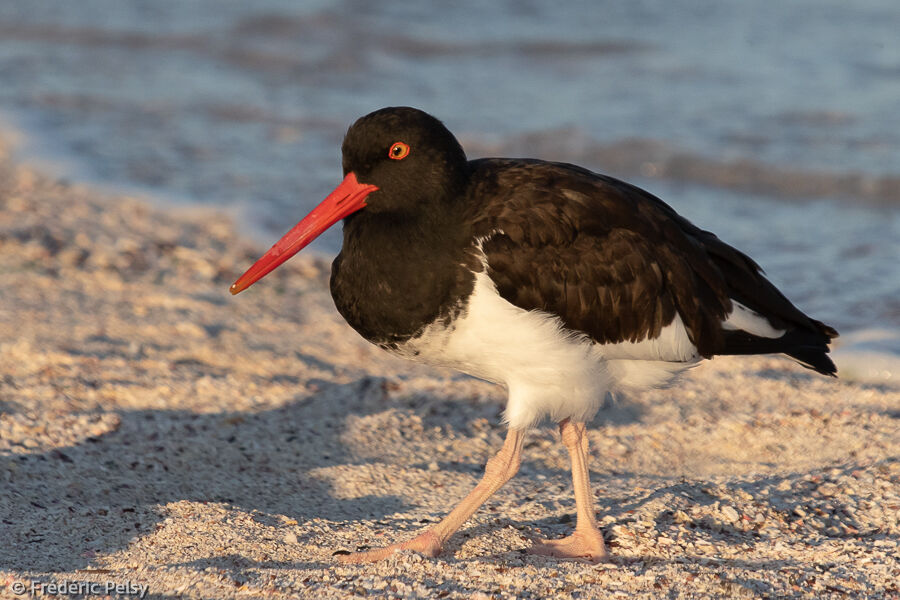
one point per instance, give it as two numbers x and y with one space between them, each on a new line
398 151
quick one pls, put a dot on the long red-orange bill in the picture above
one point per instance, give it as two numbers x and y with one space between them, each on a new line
347 198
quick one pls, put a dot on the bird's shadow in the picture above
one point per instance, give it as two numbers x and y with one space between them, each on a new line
65 505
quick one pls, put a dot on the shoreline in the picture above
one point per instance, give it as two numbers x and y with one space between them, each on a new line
32 151
156 431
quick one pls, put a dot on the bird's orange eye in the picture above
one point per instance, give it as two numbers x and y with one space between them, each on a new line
399 151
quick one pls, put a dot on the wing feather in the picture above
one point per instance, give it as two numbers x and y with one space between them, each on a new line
617 263
610 262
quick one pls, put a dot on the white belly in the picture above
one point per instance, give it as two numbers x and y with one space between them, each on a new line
548 370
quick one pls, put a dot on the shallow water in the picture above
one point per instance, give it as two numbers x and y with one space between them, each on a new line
775 128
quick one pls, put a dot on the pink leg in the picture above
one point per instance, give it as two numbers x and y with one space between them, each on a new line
587 542
498 471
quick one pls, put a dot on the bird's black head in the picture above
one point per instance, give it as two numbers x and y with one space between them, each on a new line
398 162
408 154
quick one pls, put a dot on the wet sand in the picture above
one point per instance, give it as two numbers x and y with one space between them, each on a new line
156 431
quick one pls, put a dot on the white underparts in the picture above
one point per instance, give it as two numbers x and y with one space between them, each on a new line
651 362
549 371
672 344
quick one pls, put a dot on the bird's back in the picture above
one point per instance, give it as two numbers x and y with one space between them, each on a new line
616 263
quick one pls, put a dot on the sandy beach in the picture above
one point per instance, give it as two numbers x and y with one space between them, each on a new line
157 432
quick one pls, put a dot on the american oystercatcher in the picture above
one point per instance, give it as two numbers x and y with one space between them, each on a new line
558 283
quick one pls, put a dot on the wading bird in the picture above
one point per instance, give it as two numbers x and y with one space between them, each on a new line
556 282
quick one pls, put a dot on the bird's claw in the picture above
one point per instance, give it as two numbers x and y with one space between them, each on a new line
426 543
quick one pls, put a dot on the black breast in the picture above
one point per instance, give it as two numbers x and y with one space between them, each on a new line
395 275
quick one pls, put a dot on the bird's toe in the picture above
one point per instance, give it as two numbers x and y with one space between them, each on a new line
581 546
426 543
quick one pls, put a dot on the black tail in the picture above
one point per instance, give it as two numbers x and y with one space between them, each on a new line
809 348
805 340
736 277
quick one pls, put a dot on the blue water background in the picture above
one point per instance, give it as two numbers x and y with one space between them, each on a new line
243 105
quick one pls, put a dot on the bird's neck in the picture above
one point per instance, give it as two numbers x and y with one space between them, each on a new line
399 271
435 222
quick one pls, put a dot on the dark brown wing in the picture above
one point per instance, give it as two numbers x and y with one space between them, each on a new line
614 261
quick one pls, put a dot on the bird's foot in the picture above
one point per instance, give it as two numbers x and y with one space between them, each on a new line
584 545
426 543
